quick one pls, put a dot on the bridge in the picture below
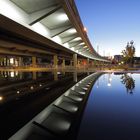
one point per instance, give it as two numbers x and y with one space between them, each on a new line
44 33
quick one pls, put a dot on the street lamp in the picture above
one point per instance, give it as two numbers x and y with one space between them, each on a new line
85 29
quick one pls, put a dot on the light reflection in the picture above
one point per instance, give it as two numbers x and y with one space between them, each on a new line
12 74
58 72
16 73
47 88
11 60
31 87
109 80
18 92
109 84
97 83
1 98
40 85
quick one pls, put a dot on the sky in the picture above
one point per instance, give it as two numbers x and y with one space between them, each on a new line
111 24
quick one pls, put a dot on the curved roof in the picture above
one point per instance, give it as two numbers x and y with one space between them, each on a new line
57 20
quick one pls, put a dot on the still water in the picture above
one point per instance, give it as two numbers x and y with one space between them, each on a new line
113 109
24 94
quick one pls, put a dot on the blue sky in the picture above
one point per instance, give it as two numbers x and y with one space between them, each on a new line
111 23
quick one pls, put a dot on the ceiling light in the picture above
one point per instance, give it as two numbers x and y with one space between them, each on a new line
77 39
72 31
63 17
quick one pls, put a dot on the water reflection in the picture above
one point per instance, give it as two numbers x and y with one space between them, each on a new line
109 80
17 84
75 76
1 98
129 82
110 109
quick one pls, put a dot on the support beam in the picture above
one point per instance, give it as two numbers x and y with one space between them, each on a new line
33 61
79 46
39 15
59 31
75 61
69 38
55 61
71 63
75 76
34 75
88 62
63 64
20 61
75 43
55 75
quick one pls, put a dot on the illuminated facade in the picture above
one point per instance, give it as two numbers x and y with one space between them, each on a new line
41 28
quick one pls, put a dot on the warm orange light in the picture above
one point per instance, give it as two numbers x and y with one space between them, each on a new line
85 29
1 98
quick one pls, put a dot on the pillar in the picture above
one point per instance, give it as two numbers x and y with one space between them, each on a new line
78 63
34 75
63 64
20 75
33 61
4 61
20 61
55 61
8 61
55 75
14 61
71 63
75 76
87 62
75 60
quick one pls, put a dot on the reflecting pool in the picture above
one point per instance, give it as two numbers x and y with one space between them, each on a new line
24 94
113 109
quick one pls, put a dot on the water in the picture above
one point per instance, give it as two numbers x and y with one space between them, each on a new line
113 109
24 94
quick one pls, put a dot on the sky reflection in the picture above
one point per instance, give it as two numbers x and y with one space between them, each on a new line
111 113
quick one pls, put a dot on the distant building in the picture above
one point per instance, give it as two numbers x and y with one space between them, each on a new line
137 60
118 58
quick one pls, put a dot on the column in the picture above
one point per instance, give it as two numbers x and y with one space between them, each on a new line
33 61
34 75
87 62
8 61
71 63
55 61
20 75
20 61
63 64
78 63
14 59
55 75
75 76
75 60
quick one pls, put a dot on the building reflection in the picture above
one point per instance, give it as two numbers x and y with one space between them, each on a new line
129 82
75 76
97 86
17 84
109 80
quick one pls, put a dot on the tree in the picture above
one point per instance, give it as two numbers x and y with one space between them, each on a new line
129 83
129 53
